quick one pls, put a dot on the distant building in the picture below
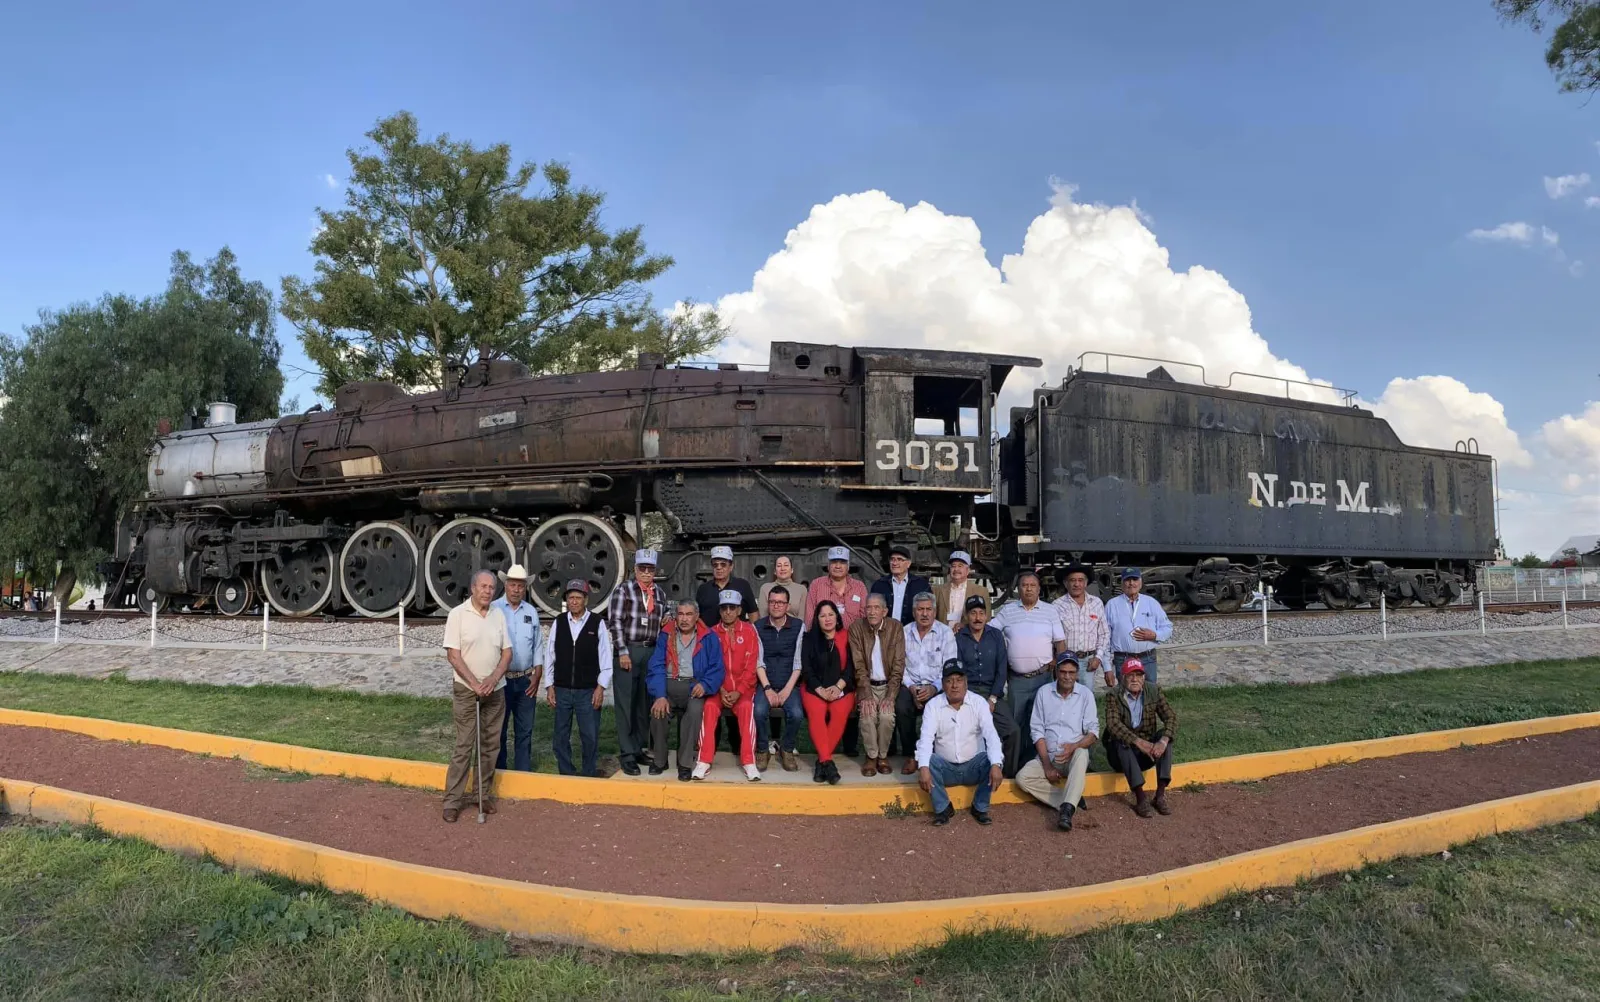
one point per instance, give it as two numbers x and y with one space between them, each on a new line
1579 551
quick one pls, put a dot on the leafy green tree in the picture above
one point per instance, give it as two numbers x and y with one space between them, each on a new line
444 255
87 387
1529 560
1573 53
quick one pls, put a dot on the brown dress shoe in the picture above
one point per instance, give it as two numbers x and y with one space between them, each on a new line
763 760
883 767
1141 804
869 768
489 807
791 762
451 813
1160 801
909 768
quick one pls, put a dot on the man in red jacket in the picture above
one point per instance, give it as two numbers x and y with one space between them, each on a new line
741 655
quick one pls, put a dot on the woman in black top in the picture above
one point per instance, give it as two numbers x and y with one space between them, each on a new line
828 692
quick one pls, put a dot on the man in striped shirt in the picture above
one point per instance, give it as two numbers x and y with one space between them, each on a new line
1083 620
635 613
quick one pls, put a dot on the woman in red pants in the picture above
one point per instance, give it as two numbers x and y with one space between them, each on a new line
828 692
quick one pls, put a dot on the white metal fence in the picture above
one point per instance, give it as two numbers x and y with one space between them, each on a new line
1510 585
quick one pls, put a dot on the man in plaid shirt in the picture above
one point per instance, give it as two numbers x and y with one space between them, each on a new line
1083 620
634 615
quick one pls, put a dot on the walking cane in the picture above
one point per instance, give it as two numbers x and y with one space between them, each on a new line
477 733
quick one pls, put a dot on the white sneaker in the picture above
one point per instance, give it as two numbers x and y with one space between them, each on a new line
701 770
752 773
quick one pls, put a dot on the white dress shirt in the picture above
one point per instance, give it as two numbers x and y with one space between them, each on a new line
1063 721
878 674
956 735
958 605
898 600
1030 635
573 626
926 655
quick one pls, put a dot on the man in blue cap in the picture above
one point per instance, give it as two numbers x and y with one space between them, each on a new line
1137 623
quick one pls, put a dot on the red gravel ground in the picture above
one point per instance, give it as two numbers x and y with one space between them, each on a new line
779 858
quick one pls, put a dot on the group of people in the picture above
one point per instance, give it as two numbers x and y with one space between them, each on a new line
967 694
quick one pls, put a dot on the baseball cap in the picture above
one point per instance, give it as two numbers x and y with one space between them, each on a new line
722 553
730 596
1131 574
839 553
963 556
954 667
1066 656
1133 664
645 558
976 602
575 585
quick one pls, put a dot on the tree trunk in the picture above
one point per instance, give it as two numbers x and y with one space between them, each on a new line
65 582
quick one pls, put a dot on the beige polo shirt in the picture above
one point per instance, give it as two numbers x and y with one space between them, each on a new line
479 637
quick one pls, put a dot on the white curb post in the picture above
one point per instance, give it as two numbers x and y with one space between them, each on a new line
1266 600
1483 623
1564 611
152 624
57 639
1383 612
266 608
402 629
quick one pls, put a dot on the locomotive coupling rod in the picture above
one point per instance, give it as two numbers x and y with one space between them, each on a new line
797 509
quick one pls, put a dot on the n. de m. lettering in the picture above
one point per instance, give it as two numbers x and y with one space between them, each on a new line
1264 494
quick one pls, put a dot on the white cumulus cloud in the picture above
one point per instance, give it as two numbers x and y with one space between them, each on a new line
1566 184
1520 233
1436 412
1574 441
1592 202
330 180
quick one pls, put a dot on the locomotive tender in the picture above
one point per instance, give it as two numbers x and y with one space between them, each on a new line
390 499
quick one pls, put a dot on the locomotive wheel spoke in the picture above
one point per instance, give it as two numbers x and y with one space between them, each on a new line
302 582
461 549
378 569
148 598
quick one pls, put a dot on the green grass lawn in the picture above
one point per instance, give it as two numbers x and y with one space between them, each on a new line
87 916
1214 721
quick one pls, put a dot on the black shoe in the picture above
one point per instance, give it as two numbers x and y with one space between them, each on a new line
833 774
943 817
656 770
1065 821
683 775
982 817
819 772
630 767
1083 804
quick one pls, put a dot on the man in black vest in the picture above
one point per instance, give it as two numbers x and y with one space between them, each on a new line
578 656
778 681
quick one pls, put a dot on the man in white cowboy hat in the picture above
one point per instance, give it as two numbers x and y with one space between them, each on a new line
578 656
839 587
709 595
951 596
635 613
527 664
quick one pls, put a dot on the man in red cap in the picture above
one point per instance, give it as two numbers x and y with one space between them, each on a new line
1140 727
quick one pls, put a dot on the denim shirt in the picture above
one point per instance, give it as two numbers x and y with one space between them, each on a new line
523 626
985 660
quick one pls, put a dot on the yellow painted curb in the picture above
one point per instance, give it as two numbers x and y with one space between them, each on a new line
668 925
769 798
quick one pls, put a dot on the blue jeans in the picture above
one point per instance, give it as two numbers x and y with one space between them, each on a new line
974 771
520 706
1148 658
794 718
579 703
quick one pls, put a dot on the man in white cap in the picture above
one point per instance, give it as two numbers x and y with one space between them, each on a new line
578 656
741 661
952 595
838 586
709 595
635 614
527 664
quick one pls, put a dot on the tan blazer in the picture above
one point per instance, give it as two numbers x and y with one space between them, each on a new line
892 637
941 598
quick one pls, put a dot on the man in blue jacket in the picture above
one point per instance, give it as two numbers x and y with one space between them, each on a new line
685 668
900 586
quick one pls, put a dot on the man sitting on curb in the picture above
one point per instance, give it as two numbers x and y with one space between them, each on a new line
958 746
1065 725
741 655
684 670
1135 714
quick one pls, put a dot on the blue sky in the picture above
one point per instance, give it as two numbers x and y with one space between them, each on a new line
1328 159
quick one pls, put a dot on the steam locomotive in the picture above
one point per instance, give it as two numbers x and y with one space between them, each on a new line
391 499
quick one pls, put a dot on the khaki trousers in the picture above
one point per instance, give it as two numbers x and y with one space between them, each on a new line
463 713
877 720
1031 778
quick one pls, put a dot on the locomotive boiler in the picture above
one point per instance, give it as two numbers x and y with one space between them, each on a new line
391 499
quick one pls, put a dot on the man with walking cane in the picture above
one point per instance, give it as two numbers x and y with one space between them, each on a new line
479 650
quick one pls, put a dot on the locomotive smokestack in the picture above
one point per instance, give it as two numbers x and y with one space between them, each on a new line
220 414
651 360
